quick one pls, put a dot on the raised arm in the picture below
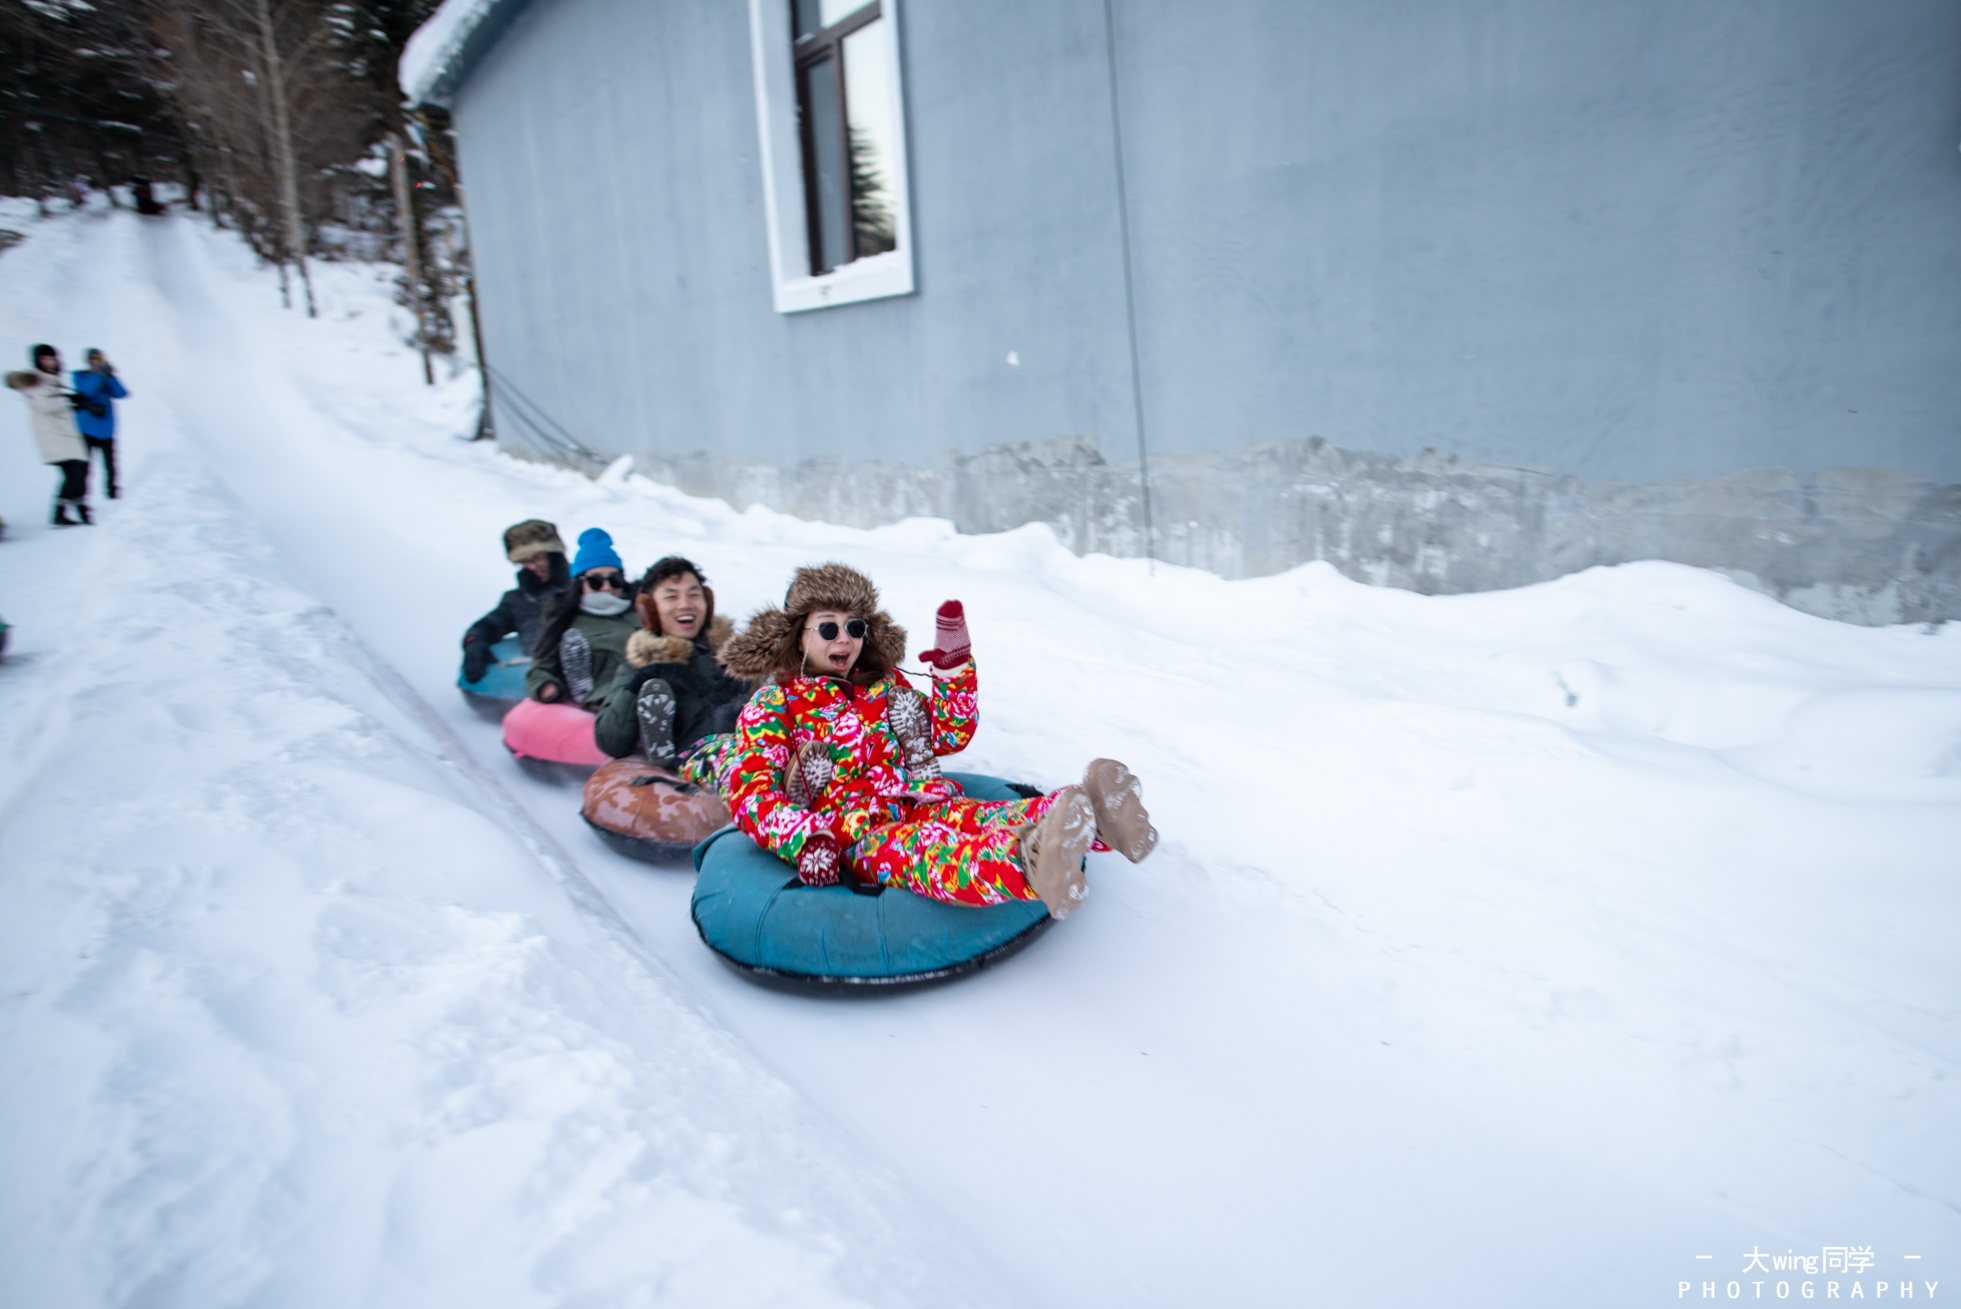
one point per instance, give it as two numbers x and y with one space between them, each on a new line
956 701
956 708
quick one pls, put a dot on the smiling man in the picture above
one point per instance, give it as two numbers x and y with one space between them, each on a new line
671 693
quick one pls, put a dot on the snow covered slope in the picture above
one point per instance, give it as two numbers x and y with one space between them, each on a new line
1502 949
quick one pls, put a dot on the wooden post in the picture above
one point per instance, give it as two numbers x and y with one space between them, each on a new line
398 173
432 142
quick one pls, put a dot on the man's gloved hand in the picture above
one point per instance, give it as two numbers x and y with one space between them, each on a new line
476 660
954 646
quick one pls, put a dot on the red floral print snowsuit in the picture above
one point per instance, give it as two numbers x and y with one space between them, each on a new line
919 833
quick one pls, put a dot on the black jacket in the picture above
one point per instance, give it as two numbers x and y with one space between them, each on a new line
521 611
706 699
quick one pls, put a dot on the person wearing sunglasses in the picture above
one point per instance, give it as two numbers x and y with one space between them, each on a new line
834 763
586 629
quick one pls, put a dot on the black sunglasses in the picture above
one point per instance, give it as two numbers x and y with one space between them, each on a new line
855 629
604 582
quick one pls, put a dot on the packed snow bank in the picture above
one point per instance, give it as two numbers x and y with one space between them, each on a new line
1502 949
303 1011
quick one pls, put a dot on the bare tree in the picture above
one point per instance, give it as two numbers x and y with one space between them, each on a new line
257 80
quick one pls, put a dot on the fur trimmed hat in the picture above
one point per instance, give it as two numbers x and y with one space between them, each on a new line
772 642
531 538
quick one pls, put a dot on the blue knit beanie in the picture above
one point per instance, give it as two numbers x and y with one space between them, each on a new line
595 551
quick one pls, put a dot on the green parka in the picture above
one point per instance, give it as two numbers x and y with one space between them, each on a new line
607 634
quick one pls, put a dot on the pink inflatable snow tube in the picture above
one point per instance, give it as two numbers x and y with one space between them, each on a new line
561 733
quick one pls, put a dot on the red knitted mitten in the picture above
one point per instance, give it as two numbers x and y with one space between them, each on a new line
950 631
817 864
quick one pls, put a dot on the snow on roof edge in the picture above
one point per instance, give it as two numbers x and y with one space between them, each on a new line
443 50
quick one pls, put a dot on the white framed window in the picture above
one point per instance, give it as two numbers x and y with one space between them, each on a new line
831 112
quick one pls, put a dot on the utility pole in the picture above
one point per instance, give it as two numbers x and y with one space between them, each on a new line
398 173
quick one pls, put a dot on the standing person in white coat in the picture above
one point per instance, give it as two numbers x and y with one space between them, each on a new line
51 418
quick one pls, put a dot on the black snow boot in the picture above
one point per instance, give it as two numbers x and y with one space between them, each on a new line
575 658
61 518
654 708
83 509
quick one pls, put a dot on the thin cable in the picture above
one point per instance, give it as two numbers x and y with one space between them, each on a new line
561 440
1129 287
541 424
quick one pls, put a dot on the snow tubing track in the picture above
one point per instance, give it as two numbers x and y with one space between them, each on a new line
752 911
502 686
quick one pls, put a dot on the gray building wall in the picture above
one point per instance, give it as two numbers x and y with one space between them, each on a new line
1610 244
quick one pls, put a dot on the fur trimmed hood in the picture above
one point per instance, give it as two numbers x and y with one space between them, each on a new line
770 645
648 647
51 419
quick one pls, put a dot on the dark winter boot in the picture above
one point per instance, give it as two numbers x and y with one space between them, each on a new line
575 660
61 518
912 722
81 507
654 709
1052 852
1122 822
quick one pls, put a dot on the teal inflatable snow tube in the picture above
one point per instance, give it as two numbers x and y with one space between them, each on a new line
750 909
503 685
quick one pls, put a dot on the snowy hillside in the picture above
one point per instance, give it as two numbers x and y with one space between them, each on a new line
1508 949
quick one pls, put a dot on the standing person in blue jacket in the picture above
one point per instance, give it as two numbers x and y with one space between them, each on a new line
97 390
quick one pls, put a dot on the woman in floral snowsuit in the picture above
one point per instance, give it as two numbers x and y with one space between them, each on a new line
834 765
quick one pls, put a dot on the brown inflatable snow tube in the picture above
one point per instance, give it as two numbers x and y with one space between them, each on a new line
649 813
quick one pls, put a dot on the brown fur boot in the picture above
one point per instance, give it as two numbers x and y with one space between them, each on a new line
1052 852
912 722
1122 823
808 775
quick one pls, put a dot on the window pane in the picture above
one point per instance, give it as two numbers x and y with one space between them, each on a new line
832 11
874 137
808 17
825 175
